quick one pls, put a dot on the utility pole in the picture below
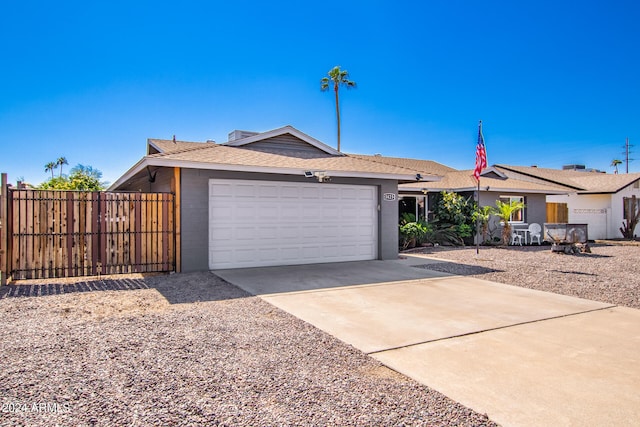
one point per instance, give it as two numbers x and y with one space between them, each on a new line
626 153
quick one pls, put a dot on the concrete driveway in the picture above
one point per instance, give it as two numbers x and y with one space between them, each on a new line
523 357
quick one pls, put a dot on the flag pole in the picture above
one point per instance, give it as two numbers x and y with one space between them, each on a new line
478 219
481 163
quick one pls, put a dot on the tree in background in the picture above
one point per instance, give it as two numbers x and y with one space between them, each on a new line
61 161
82 178
615 163
86 178
49 167
337 78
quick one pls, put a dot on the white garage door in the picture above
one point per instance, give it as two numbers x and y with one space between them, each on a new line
266 223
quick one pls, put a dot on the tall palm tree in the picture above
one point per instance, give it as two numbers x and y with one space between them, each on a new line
339 78
61 161
49 167
615 163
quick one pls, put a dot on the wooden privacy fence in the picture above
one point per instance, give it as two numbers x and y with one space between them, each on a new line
72 233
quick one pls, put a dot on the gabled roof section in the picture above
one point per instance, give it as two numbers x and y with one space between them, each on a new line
581 182
424 167
156 146
605 183
494 180
290 130
493 172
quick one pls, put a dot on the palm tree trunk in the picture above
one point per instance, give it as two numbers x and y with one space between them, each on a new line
338 115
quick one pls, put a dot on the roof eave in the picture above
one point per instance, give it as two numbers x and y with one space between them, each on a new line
491 190
163 162
141 164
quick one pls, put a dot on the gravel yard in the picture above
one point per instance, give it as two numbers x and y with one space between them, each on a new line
190 349
611 273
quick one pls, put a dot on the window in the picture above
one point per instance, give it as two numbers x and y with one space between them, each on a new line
412 205
519 215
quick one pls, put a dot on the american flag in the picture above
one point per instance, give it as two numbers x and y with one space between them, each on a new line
481 154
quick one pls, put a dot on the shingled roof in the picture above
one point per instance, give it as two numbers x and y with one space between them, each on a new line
239 156
420 166
490 181
206 154
581 182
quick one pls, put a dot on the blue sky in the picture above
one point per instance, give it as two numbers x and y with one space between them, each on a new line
554 82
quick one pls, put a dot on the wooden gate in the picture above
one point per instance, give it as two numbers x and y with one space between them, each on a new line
557 213
72 233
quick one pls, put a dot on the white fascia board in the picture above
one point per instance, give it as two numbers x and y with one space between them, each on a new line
281 131
142 164
149 143
493 169
129 174
491 190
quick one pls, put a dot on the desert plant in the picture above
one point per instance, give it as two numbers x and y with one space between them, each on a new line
411 233
443 235
504 211
632 217
454 213
481 216
406 217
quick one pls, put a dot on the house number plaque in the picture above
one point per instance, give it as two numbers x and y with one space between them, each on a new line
389 197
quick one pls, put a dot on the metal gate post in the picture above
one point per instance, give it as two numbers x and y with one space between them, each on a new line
4 223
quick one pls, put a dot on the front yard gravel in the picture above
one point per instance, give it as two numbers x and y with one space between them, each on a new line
191 349
610 273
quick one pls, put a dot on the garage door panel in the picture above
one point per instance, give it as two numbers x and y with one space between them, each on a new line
220 211
290 192
268 254
245 254
289 252
261 223
330 193
310 252
268 232
220 189
330 232
268 191
220 233
222 256
246 233
308 192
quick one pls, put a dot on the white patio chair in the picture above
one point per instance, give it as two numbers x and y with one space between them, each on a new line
515 236
534 232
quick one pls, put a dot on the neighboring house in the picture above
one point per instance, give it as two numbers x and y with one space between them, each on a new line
274 198
596 199
495 184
